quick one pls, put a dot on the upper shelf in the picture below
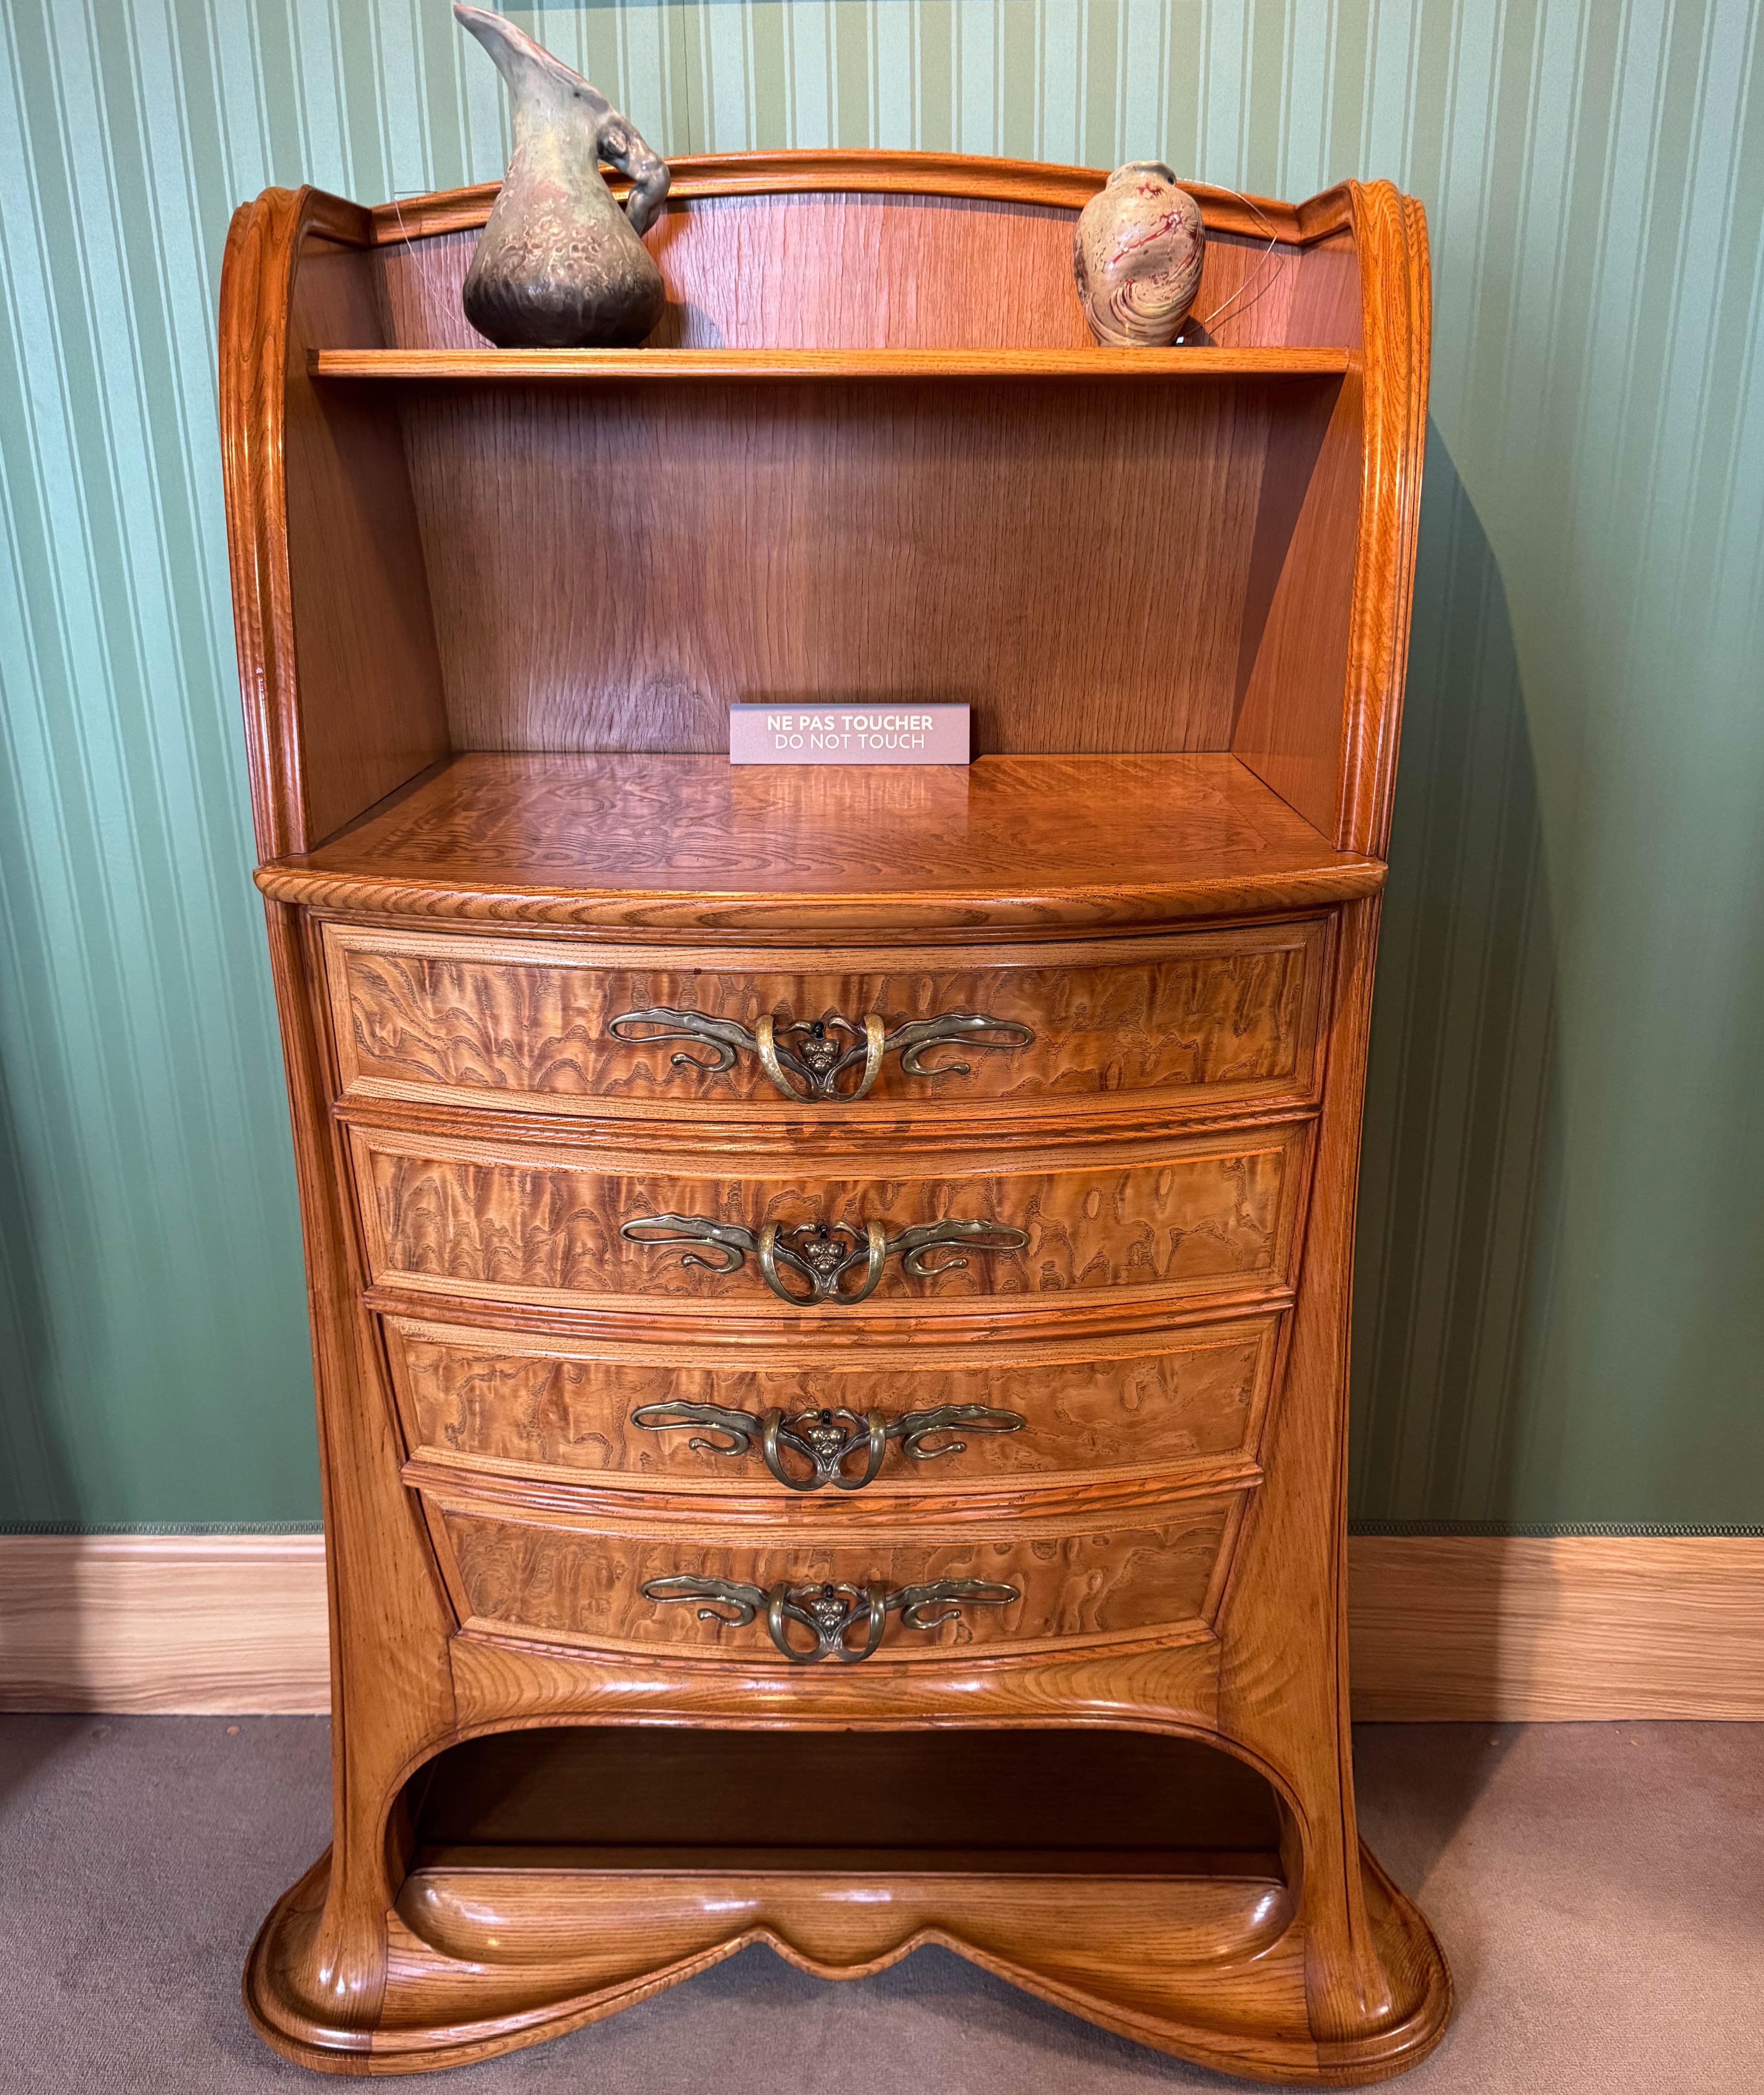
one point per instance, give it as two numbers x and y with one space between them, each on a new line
476 365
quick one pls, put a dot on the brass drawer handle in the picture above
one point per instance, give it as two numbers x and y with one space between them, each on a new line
806 1057
821 1254
830 1613
827 1440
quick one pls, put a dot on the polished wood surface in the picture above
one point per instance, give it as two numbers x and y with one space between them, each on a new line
1078 1581
157 1624
1490 1629
1179 611
638 844
338 662
468 366
914 178
533 1406
1298 605
1175 1217
881 542
1557 1628
985 267
1218 1021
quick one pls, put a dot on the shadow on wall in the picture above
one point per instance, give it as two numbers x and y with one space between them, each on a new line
34 1471
1461 1155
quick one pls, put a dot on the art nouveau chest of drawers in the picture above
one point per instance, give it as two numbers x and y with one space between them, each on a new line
830 1287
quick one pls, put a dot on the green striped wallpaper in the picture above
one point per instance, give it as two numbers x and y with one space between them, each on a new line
1560 1285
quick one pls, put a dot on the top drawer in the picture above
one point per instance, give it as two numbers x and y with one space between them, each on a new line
562 1027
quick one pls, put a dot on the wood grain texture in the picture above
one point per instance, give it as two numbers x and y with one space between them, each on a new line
338 660
478 1913
487 1400
635 845
1243 2015
606 565
1571 1628
1325 305
160 1625
842 170
1480 1629
614 568
1324 744
391 1684
536 1225
1167 1689
1079 1580
1294 657
1391 232
918 270
760 366
1279 1699
1210 1017
372 714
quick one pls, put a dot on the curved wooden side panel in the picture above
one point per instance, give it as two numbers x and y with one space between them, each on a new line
391 1684
254 347
338 662
1326 632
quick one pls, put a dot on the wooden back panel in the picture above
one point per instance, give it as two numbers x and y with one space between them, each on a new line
1096 564
612 570
613 567
852 270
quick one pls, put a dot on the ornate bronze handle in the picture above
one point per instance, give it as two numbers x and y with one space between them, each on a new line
822 1253
806 1057
830 1613
828 1439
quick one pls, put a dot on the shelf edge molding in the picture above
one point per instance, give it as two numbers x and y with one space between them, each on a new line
477 366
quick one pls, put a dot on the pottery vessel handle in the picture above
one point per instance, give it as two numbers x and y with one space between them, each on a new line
622 147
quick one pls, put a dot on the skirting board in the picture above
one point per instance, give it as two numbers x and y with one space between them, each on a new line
1485 1628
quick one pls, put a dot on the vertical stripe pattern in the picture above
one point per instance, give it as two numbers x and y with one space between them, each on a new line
1558 1316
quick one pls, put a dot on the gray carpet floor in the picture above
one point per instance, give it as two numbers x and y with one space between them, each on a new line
1598 1888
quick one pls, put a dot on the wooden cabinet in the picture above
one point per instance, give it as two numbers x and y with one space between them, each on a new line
830 1289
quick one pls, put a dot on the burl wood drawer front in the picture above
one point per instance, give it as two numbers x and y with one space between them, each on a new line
634 1231
958 1419
1069 1581
561 1028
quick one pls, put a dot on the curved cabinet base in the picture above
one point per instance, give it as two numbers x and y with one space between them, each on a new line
484 1959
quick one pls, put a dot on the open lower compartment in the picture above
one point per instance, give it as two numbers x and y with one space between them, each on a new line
602 1845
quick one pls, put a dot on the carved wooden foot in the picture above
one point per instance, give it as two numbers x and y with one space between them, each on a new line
484 1959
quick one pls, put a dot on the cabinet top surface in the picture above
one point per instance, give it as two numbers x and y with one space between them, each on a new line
691 843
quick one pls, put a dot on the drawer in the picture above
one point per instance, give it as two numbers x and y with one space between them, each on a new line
958 1420
1183 1216
692 1592
563 1028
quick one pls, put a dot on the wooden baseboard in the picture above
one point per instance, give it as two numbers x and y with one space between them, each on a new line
1484 1628
1529 1629
232 1624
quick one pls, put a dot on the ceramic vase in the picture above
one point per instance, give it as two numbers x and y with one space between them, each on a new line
1136 257
559 265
